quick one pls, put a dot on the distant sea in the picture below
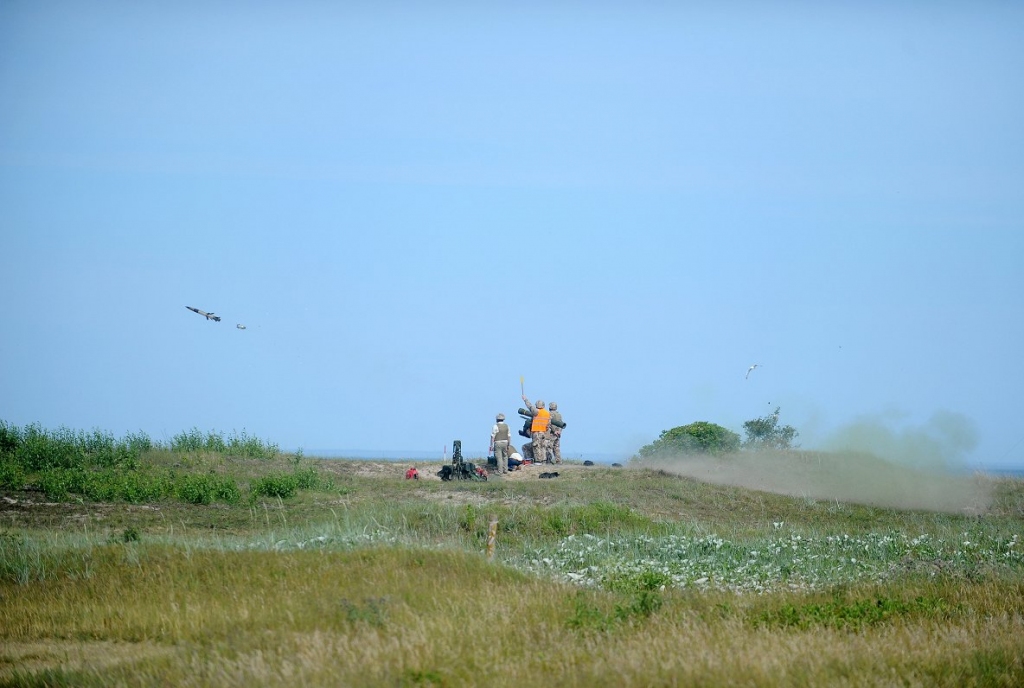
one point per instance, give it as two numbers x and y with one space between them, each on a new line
1004 471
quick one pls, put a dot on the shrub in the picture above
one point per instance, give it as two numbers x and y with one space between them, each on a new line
237 445
282 485
587 616
250 447
36 449
205 489
138 442
58 483
765 433
696 438
194 489
12 475
39 450
10 438
185 442
120 486
195 441
851 614
308 479
225 490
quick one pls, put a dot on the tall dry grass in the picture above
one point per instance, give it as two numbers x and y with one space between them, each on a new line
384 582
397 616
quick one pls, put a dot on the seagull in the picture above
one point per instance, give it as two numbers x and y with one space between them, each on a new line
240 326
747 376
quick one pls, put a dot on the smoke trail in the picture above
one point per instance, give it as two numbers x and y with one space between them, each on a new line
941 444
868 462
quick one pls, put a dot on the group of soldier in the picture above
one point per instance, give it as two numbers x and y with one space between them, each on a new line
545 431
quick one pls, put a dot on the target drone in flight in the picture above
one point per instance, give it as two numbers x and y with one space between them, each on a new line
209 316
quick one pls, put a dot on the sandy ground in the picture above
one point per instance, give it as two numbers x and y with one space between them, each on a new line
428 470
853 478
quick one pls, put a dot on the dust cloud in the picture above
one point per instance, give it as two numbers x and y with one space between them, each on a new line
866 462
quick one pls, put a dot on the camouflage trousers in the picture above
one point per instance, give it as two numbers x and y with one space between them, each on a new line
540 447
555 445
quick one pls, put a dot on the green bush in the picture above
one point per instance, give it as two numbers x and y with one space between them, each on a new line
195 441
10 438
205 489
98 487
138 443
696 438
308 479
12 475
765 433
587 616
144 487
237 445
251 447
107 485
287 484
194 489
226 490
636 582
120 486
37 449
852 614
281 485
58 483
113 485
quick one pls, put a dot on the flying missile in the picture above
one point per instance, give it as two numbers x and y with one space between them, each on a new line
209 316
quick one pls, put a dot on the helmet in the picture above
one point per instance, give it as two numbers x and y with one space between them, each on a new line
500 416
540 404
553 405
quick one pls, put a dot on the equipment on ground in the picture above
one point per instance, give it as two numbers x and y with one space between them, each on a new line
459 468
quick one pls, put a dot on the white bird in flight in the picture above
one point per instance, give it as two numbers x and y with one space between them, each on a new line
747 376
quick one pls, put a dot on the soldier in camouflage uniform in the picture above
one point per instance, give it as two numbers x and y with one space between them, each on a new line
500 436
539 429
555 434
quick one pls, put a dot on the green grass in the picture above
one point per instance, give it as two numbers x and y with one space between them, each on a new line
97 467
319 572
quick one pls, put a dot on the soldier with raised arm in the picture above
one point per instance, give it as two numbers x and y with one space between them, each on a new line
539 429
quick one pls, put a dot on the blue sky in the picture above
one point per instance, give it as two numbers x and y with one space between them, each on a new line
410 207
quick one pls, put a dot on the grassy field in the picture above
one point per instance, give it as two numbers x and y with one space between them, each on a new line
603 576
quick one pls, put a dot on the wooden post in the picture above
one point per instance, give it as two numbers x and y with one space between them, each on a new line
492 536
